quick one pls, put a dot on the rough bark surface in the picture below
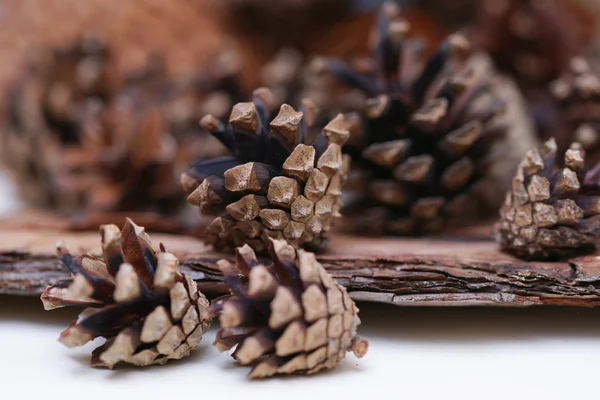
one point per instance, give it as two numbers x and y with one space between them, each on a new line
466 269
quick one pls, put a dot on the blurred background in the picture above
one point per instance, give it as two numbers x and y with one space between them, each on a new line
100 99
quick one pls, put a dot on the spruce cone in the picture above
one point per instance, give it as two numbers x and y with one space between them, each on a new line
551 211
77 138
136 298
577 93
433 137
280 181
289 317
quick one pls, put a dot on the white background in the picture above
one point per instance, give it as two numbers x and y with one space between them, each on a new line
415 353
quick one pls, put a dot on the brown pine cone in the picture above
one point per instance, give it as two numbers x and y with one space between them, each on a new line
533 40
134 297
289 317
78 138
281 181
552 211
434 148
577 93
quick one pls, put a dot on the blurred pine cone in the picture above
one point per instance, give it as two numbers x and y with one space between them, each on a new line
272 25
77 137
577 93
450 15
433 148
185 33
551 211
333 28
135 297
533 40
282 180
289 317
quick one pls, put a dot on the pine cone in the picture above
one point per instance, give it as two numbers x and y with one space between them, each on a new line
288 317
78 138
533 40
577 93
432 136
551 211
136 298
280 181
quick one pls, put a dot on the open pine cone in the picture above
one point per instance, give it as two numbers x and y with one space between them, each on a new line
281 182
287 317
134 297
433 148
552 211
78 138
577 93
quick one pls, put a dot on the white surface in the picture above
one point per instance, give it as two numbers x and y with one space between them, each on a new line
8 195
415 353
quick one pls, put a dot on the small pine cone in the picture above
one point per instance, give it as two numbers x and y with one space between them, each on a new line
577 93
134 297
434 137
288 317
280 181
78 138
533 40
552 211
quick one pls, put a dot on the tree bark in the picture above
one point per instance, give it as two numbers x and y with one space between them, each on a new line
465 269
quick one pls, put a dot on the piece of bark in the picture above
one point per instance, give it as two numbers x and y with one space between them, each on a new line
466 269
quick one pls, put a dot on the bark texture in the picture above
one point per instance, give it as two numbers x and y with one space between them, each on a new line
465 269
